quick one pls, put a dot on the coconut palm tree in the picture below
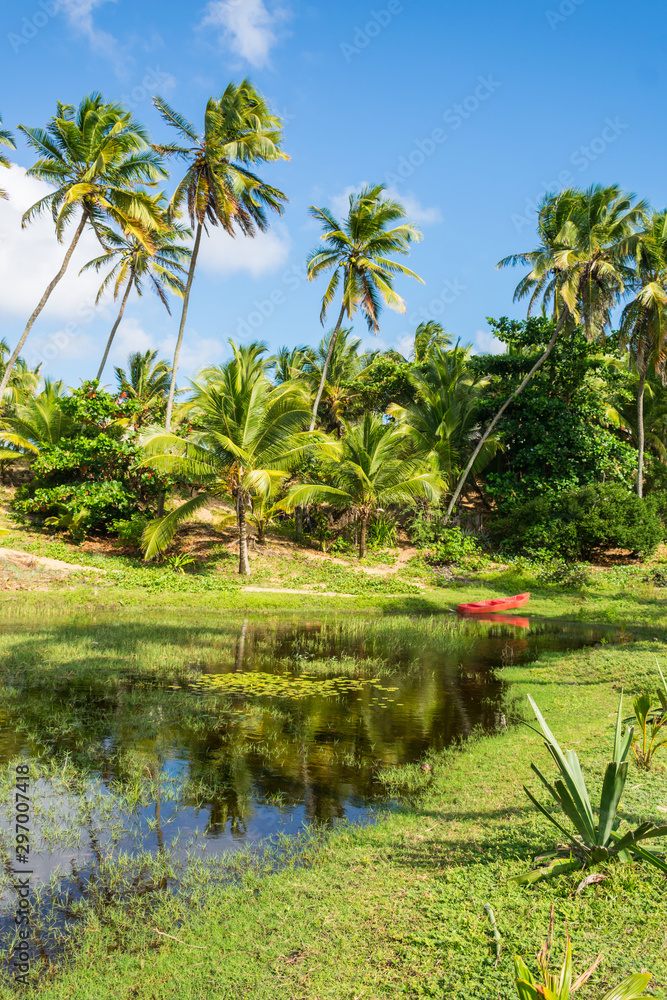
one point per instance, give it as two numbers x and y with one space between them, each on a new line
644 320
579 268
97 156
442 421
344 368
430 337
291 364
249 435
359 254
38 423
132 262
6 139
373 470
219 188
146 384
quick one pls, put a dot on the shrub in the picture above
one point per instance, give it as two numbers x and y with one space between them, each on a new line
104 503
577 524
561 573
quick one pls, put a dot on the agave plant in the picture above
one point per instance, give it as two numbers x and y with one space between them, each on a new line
559 985
591 841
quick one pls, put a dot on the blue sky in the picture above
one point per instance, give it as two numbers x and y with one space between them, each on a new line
467 111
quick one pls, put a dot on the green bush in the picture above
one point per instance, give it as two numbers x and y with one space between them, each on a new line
580 523
104 502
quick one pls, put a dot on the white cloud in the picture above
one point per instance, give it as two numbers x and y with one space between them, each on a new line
79 14
224 255
31 257
249 28
414 210
196 351
487 343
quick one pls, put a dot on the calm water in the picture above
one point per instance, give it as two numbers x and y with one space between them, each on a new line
260 726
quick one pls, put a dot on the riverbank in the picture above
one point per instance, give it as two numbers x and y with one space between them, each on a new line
398 908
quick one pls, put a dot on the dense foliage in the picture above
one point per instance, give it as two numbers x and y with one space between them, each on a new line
92 470
581 523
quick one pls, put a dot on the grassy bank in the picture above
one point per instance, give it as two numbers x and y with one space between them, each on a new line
397 909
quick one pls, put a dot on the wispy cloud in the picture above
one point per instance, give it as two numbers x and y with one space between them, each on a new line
249 28
80 14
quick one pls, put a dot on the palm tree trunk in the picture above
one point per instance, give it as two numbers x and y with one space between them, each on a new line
480 444
298 524
640 431
325 369
362 535
181 331
115 326
42 302
244 562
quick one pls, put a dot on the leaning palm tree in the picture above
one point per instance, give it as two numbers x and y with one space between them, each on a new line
249 435
359 252
131 263
219 188
442 421
145 384
97 156
644 319
580 269
6 139
374 470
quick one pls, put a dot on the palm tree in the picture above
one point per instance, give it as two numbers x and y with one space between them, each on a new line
251 433
430 337
38 423
644 319
443 419
373 470
291 364
218 187
23 382
145 383
132 262
344 367
6 139
358 252
97 156
579 268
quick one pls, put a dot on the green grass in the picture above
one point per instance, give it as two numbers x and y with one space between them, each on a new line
397 909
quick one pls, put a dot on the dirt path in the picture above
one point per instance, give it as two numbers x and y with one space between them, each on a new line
28 560
286 590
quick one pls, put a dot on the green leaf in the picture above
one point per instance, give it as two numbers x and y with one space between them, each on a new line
631 988
612 790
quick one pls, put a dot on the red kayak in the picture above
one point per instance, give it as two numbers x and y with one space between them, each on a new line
505 604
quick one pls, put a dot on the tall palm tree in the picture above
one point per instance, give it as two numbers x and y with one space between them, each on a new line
373 470
644 319
250 434
359 253
145 383
579 268
6 139
131 262
97 156
219 188
443 419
